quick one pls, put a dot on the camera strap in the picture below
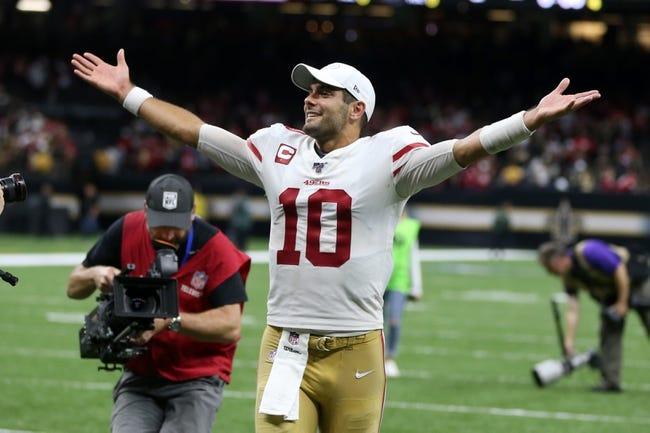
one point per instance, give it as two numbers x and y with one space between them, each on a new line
188 247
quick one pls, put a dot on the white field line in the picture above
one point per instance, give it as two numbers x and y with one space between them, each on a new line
4 430
65 318
403 405
496 336
484 295
416 350
516 412
78 318
426 255
503 356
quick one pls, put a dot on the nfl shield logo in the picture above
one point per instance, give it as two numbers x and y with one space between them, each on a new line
318 166
293 338
170 200
199 279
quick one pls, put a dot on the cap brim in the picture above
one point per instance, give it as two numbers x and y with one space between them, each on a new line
180 220
304 76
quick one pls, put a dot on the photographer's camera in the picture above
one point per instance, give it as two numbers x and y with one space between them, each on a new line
13 188
129 310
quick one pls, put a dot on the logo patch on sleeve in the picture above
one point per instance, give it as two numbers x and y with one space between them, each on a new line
285 154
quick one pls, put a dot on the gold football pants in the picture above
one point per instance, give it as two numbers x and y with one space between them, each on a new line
342 389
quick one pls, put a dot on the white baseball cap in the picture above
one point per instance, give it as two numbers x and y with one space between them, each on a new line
337 75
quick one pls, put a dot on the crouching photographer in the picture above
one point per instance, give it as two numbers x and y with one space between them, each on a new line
616 278
174 380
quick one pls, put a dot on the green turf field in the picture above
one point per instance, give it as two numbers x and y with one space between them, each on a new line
466 355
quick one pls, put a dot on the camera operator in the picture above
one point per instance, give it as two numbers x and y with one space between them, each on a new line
615 278
177 384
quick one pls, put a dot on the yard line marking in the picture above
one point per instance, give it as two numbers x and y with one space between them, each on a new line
507 356
41 259
245 395
516 412
508 380
250 364
4 430
37 352
67 318
261 256
447 334
493 411
481 295
68 384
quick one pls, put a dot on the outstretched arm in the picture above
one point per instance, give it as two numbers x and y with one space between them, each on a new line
431 165
115 81
499 136
226 149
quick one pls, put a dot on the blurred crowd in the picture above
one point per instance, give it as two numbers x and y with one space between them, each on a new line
597 150
53 127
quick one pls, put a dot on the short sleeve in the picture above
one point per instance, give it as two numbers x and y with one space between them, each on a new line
107 251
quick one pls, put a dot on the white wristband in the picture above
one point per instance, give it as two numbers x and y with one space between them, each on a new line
134 99
504 134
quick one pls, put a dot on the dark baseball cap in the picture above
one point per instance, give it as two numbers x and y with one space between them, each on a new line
170 200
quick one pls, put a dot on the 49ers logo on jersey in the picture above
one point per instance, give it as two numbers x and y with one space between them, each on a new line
285 154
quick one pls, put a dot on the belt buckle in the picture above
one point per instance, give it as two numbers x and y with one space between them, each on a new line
321 343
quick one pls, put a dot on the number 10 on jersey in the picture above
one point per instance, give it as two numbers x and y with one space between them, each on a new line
288 255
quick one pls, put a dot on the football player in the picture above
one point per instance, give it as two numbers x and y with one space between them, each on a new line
335 198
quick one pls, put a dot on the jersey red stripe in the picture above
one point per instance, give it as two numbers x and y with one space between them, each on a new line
253 149
406 149
294 129
397 170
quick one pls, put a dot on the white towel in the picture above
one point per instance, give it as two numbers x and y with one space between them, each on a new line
282 391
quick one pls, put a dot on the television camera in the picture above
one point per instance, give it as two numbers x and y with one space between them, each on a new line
13 189
551 370
128 310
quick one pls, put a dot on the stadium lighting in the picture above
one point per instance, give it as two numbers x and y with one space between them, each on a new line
571 4
594 5
431 4
501 15
363 2
34 5
477 1
545 3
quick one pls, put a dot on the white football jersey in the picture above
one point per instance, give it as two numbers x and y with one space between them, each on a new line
333 220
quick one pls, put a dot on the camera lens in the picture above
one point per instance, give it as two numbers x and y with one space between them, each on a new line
143 305
13 188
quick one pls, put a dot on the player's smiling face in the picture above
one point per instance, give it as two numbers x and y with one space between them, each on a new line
326 112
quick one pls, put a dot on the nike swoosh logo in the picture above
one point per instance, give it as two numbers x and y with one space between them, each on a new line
361 374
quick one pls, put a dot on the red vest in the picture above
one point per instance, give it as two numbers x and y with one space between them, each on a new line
173 355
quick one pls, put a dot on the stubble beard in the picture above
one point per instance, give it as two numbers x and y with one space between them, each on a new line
328 127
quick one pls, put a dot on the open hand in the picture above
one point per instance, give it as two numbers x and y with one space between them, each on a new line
113 80
104 277
556 104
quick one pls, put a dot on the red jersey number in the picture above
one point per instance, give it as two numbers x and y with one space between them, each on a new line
288 255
